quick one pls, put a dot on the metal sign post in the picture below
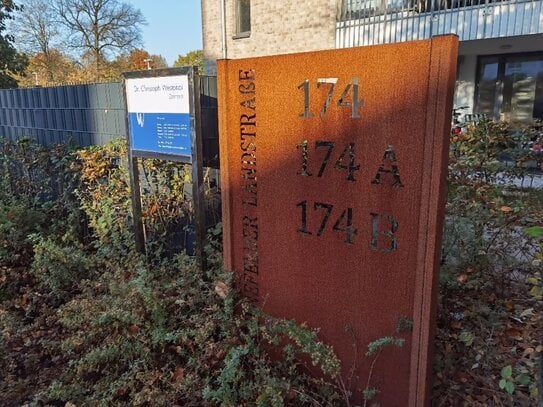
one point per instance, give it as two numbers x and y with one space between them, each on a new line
139 232
197 173
164 122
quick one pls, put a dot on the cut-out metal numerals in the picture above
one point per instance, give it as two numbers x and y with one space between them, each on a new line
344 223
382 228
355 103
328 144
351 167
327 211
303 229
346 218
348 154
331 82
348 98
305 85
305 157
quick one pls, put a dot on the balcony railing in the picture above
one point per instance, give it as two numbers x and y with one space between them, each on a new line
368 22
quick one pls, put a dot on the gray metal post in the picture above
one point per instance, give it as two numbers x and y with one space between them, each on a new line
197 171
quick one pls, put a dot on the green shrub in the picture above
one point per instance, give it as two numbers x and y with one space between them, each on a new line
162 332
17 222
488 269
59 269
486 210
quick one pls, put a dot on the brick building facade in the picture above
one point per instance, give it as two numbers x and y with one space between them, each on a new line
500 64
283 27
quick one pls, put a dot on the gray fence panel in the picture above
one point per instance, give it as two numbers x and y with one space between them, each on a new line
89 114
101 96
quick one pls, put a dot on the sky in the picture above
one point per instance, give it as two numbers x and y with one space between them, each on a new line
174 27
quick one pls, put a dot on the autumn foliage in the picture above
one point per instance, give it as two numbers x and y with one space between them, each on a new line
83 317
86 320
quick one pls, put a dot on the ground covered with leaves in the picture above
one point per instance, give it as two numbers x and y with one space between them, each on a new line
490 321
87 321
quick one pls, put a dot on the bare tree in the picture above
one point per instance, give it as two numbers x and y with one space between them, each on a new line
101 28
38 33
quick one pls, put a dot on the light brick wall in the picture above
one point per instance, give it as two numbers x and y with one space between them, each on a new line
277 27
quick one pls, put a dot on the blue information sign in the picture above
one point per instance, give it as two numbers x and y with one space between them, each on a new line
167 133
159 115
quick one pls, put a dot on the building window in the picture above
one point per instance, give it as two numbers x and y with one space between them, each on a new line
510 87
243 18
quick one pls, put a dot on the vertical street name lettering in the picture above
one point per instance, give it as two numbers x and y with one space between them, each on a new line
249 188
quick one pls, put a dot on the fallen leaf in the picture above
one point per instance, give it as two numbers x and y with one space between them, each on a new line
154 377
463 377
221 289
121 392
178 374
291 395
527 312
514 333
456 325
462 278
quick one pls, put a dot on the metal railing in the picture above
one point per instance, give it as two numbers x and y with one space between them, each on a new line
369 22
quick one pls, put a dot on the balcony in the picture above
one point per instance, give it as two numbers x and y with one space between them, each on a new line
370 22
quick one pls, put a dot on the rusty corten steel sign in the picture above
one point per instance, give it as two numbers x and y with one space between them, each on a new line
333 176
